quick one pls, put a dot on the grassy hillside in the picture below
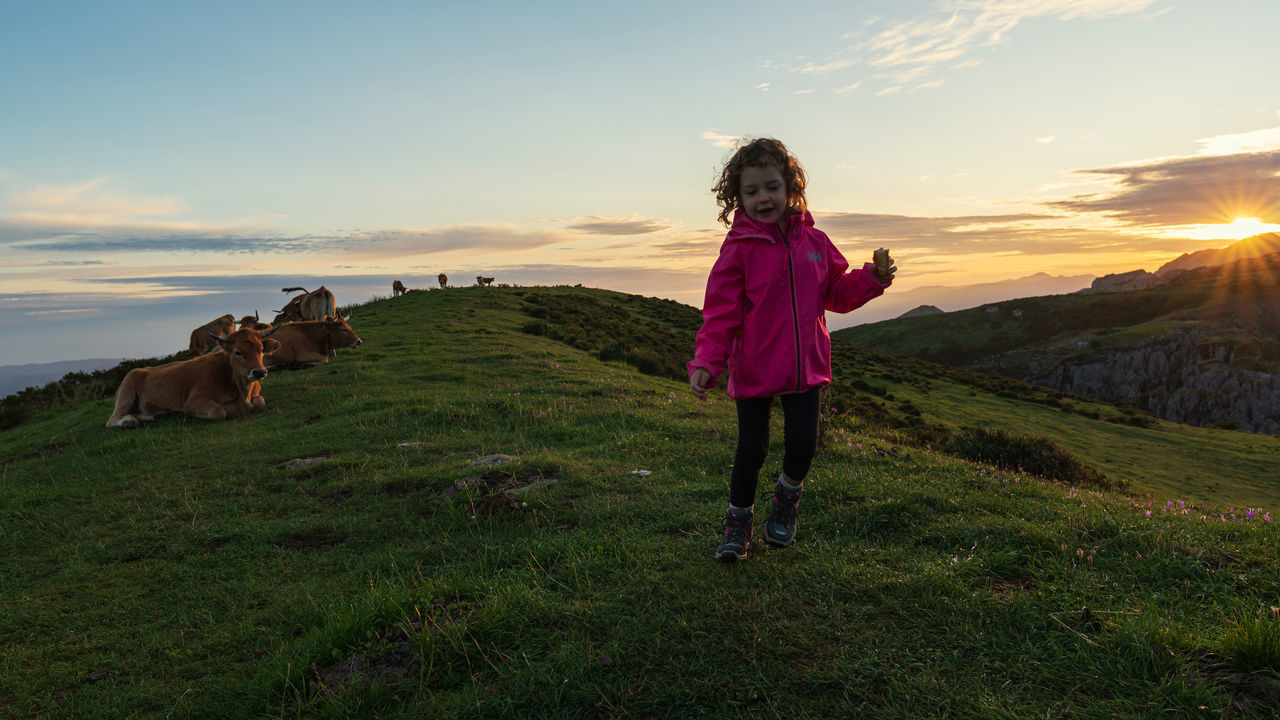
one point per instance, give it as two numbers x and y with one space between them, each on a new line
189 569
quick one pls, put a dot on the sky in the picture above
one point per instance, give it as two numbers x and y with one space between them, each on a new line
165 163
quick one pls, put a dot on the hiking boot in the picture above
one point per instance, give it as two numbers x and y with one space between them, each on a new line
737 535
780 528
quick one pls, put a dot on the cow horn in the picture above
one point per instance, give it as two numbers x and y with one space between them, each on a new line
219 338
268 332
347 318
255 315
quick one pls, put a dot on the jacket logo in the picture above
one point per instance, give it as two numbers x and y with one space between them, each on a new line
815 257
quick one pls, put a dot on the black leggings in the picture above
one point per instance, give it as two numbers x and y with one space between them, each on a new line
800 441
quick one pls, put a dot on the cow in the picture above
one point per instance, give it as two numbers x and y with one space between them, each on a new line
215 386
314 305
253 322
311 342
398 289
202 338
443 280
483 280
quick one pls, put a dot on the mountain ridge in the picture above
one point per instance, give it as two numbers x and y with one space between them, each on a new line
1202 347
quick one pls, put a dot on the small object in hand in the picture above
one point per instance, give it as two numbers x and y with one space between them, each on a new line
882 260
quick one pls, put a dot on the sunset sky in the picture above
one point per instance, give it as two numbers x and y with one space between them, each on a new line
164 163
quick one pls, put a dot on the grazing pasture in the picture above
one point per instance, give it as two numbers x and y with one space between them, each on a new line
452 521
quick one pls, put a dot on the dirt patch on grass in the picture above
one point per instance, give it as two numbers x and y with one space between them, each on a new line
496 490
313 541
39 452
1253 694
390 657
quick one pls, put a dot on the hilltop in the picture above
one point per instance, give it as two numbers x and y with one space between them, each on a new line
1249 248
505 506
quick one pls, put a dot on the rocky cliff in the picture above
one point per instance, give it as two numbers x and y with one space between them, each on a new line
1185 374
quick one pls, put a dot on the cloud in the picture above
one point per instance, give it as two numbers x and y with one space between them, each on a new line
1015 234
719 139
824 69
848 88
1246 142
1046 139
912 48
70 263
142 239
1198 189
88 202
610 225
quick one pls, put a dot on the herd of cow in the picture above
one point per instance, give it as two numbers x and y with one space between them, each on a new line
223 380
398 288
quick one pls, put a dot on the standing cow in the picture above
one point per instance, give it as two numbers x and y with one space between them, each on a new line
214 386
311 342
398 289
443 280
203 338
482 281
314 305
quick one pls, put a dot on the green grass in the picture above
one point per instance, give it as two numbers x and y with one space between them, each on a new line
180 571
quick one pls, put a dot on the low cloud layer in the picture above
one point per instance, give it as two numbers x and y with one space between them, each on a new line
620 226
1186 190
1022 234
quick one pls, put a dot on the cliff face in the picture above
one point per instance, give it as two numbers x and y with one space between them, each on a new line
1123 282
1186 375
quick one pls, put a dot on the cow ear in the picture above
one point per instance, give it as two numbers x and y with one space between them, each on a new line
270 345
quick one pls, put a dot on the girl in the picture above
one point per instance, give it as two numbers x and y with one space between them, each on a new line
764 318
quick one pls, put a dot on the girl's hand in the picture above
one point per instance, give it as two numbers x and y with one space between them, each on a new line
699 382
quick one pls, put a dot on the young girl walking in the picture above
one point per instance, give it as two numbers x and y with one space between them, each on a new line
764 319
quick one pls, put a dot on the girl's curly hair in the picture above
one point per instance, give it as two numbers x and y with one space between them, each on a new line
762 153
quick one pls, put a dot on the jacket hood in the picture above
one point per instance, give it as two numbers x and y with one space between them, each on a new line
744 227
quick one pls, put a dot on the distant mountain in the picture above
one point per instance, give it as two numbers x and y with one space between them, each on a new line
947 298
1203 349
921 310
14 378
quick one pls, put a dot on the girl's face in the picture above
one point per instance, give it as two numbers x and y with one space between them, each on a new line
763 194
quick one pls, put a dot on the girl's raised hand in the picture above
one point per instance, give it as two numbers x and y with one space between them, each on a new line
884 265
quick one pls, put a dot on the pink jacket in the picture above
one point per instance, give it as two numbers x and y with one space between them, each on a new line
763 315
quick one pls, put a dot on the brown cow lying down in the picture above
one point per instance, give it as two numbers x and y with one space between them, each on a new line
215 386
310 343
253 321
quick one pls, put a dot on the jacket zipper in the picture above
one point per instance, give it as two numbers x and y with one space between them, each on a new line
795 314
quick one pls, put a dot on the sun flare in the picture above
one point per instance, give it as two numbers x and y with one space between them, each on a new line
1238 229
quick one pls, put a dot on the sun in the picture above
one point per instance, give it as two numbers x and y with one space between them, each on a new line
1238 229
